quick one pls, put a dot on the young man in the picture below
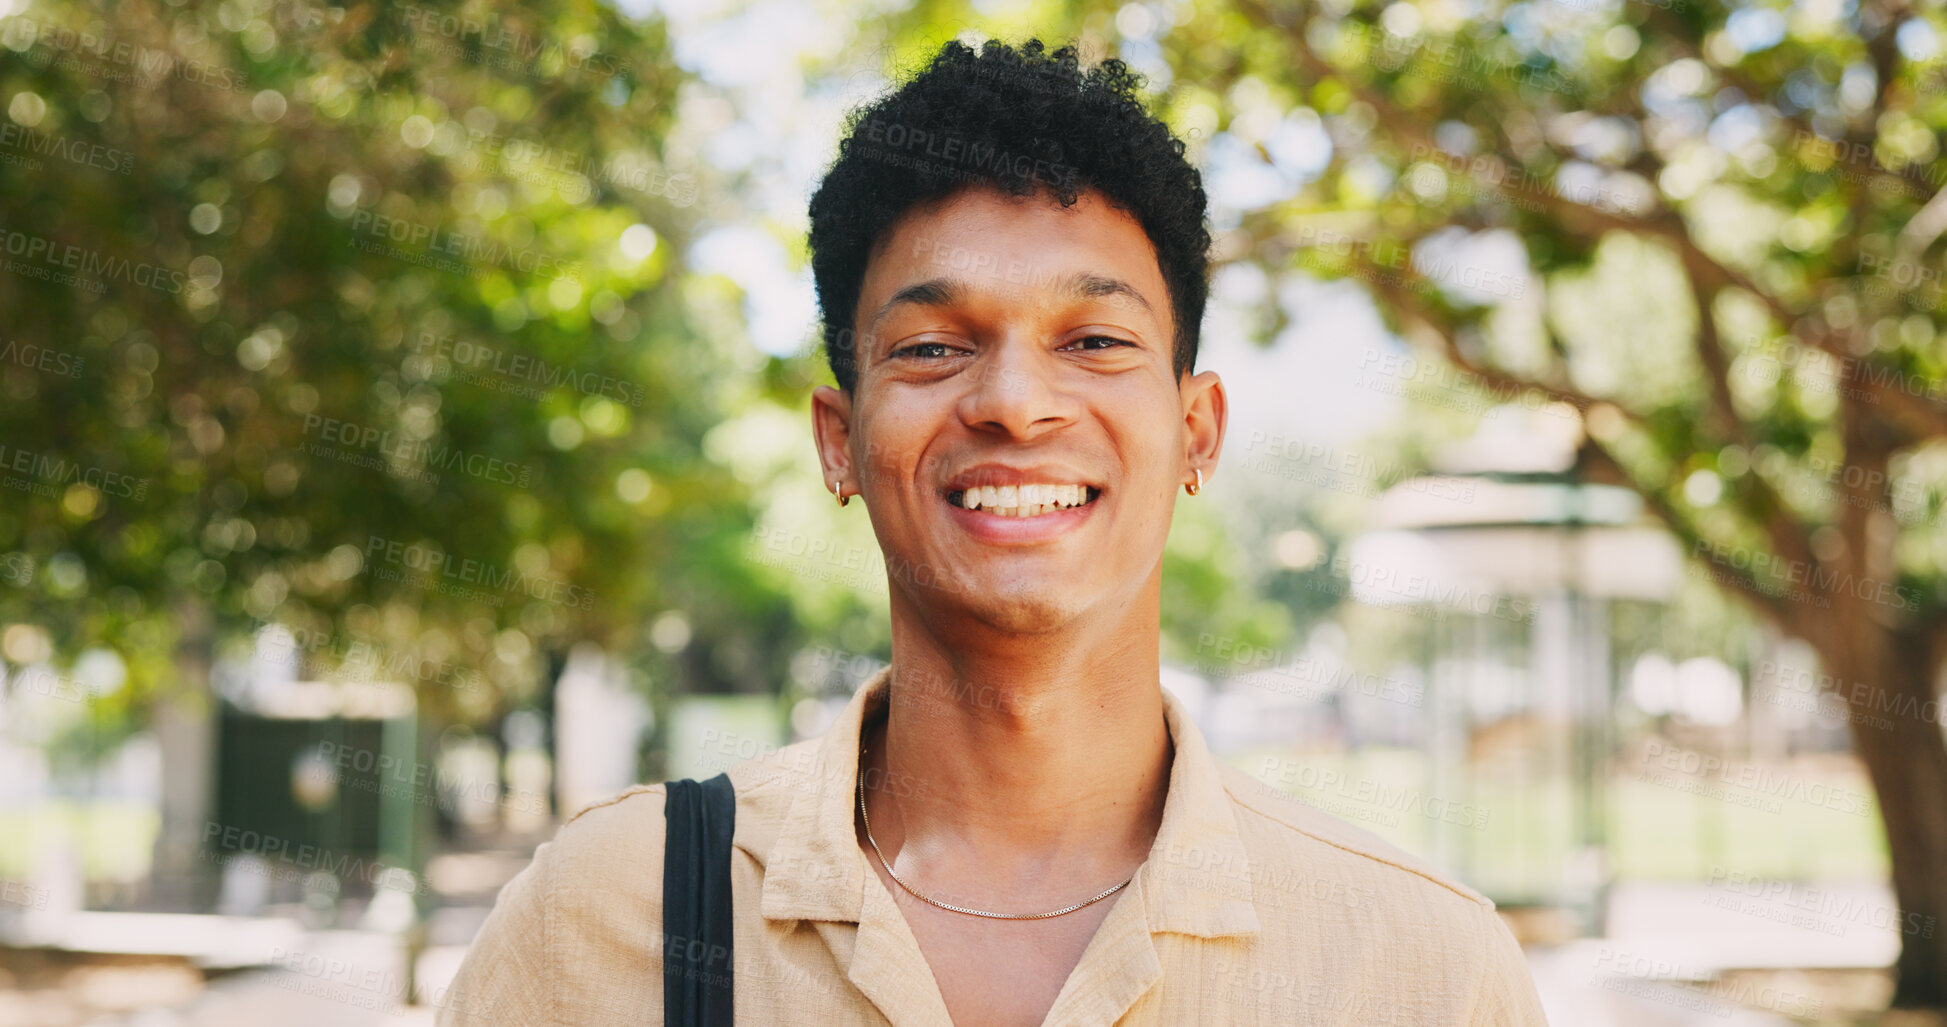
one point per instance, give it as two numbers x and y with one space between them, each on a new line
1013 823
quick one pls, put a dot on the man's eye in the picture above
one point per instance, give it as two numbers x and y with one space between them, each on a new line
925 350
1104 341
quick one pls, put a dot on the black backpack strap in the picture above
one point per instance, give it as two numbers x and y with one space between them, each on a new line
696 902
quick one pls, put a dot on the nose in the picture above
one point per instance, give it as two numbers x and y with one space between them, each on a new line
1013 389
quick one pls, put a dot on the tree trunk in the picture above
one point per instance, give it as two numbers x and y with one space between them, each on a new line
1897 733
183 720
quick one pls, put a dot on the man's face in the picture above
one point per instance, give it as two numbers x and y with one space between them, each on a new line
1016 429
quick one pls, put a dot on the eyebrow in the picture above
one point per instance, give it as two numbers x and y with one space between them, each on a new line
1097 286
944 292
939 292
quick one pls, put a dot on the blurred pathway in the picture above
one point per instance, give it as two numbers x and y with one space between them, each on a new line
1592 983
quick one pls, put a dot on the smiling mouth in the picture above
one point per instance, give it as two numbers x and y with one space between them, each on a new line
1023 500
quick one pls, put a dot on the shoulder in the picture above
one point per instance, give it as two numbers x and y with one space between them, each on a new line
646 799
573 914
1319 881
626 816
766 786
608 845
1280 830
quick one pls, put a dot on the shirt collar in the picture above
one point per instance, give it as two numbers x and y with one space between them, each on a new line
1197 879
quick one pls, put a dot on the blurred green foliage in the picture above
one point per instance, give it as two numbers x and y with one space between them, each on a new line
378 329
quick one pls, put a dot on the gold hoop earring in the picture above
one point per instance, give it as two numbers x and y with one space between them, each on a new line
840 496
1198 487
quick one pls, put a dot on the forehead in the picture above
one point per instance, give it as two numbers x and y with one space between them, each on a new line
990 241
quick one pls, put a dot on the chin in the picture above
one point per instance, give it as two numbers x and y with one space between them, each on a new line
1025 607
1027 616
1007 605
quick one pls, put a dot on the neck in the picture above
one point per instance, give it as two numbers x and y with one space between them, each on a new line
1032 769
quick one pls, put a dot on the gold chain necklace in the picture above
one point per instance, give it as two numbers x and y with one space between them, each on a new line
947 905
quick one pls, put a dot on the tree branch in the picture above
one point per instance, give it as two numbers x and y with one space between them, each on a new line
1589 221
1694 543
1396 293
1789 538
1921 418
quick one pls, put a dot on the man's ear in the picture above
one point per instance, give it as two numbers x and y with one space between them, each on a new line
831 426
1206 411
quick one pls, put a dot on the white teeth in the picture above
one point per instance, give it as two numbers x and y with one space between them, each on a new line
1023 500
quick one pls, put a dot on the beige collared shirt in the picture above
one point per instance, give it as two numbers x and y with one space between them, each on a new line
1253 908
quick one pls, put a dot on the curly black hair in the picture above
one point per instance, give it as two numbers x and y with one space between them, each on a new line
1018 121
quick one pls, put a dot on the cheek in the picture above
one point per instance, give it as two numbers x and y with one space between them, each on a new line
888 448
1149 433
